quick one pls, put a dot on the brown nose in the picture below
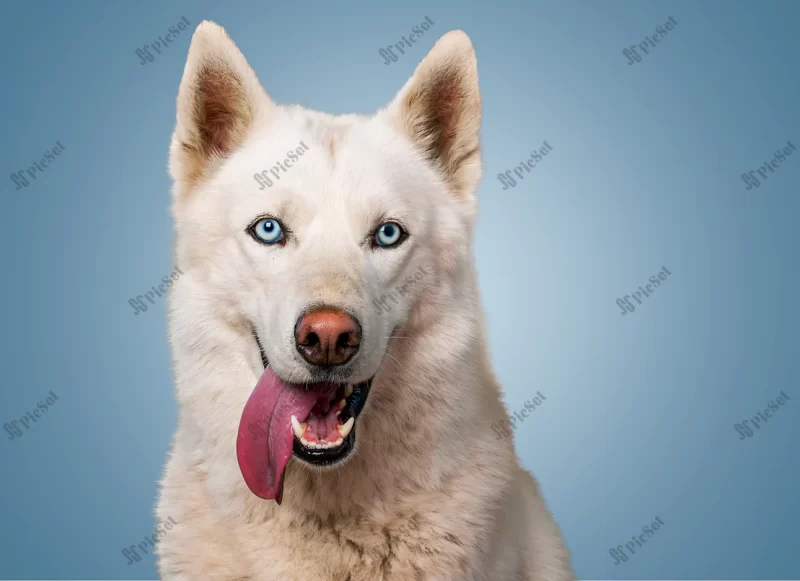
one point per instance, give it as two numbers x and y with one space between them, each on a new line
327 337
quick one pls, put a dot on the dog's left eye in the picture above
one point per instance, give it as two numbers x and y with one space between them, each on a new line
267 231
389 234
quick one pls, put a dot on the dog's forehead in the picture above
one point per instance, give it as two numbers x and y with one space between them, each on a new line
329 135
325 157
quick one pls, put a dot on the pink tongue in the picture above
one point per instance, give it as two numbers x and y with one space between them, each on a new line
264 443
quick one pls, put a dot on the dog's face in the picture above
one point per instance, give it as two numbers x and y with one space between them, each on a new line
318 234
336 230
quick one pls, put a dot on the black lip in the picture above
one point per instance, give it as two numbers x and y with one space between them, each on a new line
264 359
330 456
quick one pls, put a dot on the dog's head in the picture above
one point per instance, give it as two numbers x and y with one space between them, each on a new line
318 234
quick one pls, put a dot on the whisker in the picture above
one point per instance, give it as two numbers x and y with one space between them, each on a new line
395 358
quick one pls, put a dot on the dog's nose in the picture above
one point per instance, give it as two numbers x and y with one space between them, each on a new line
327 337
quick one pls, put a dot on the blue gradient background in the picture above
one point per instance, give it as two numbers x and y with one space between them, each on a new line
645 172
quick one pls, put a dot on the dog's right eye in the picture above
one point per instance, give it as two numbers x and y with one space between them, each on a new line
389 234
267 231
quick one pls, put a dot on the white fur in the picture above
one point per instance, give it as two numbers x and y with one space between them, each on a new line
430 493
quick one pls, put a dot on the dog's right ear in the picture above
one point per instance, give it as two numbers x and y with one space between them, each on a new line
439 109
219 100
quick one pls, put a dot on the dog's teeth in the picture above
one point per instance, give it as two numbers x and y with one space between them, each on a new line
348 390
298 428
342 403
344 430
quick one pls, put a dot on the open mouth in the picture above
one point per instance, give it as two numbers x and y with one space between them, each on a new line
327 435
315 422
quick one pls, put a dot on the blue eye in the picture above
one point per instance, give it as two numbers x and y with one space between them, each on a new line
267 230
388 234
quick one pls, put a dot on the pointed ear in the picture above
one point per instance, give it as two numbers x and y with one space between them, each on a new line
439 108
219 100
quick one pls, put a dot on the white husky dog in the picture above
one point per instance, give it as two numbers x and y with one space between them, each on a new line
336 393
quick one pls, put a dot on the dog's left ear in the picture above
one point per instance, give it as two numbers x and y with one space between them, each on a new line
219 100
439 108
